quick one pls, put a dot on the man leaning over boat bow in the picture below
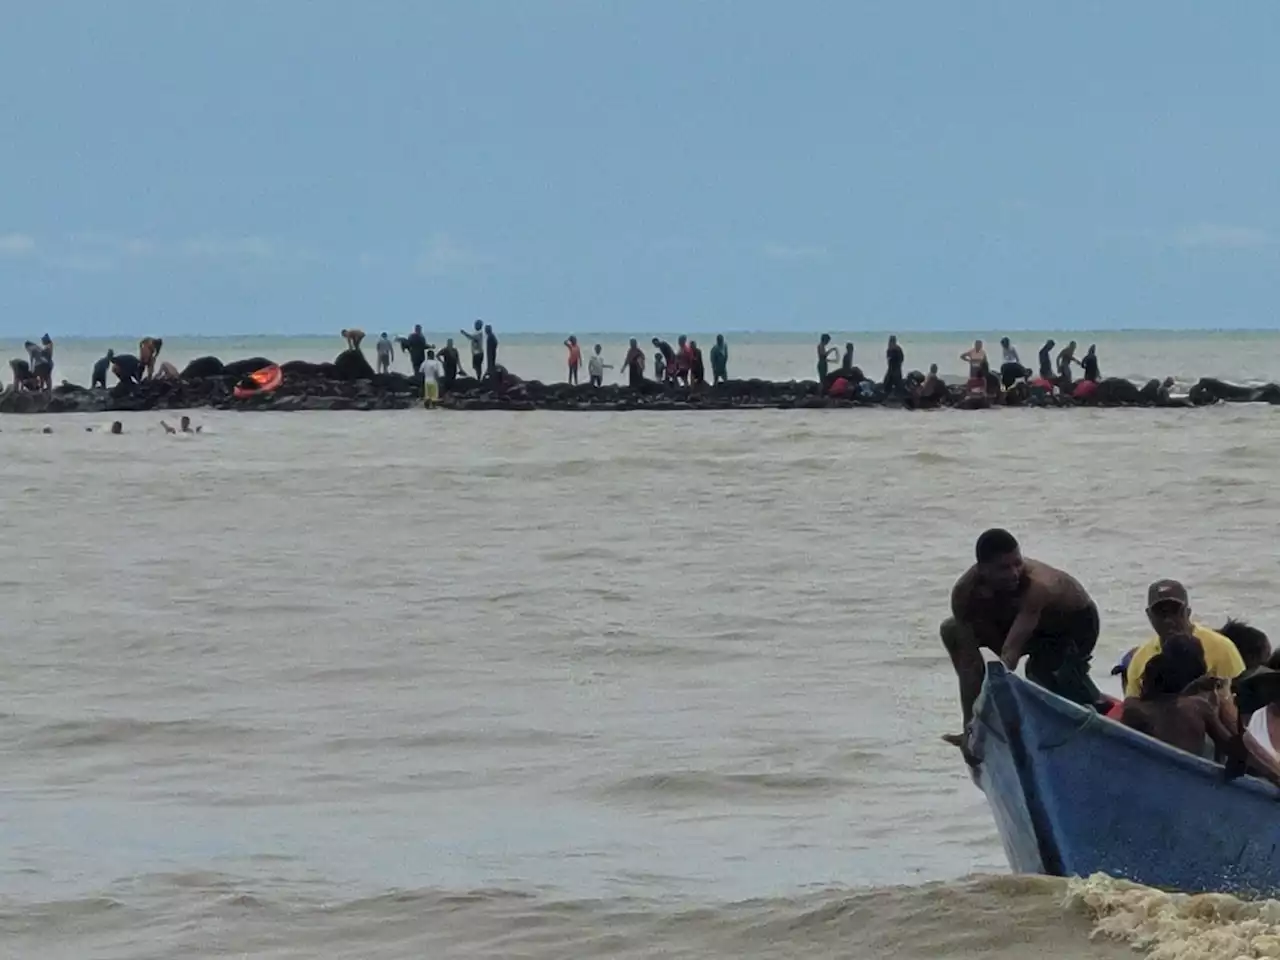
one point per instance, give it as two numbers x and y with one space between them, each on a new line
1019 607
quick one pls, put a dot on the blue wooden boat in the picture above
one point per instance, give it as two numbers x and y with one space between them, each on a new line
1074 793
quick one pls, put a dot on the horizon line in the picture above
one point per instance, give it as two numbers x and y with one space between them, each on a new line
743 331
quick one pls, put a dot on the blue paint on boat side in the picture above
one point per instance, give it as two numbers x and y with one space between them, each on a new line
1074 793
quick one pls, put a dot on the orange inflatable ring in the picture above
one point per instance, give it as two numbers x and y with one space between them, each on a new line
266 380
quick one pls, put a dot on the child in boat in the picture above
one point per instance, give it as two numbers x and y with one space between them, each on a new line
1181 706
1165 710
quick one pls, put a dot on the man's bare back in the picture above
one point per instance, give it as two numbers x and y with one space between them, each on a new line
990 612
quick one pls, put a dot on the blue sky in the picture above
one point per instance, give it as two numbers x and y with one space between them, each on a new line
292 167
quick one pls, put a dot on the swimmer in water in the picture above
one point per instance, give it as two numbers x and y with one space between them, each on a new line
1018 607
184 426
117 427
148 353
354 338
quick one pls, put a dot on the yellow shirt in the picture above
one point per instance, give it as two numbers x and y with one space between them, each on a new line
1220 656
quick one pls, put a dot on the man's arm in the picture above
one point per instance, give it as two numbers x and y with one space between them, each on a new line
1024 625
960 639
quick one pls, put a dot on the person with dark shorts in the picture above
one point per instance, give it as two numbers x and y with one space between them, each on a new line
894 359
100 369
1020 608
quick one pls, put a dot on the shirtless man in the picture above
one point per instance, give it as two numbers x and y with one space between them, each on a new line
354 338
976 357
148 352
1016 608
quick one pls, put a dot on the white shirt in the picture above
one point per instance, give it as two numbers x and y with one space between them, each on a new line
433 369
595 365
1011 355
1258 727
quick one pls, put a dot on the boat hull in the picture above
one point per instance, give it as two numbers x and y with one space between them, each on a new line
1074 793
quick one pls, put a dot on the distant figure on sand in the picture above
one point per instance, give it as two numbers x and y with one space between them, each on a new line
667 371
634 365
477 349
827 354
894 359
976 357
432 373
451 363
386 353
148 353
932 390
100 370
697 367
415 345
720 360
23 379
1046 360
684 359
596 367
354 338
1016 608
1008 352
575 358
491 349
1011 368
1090 363
47 343
41 367
126 368
1065 359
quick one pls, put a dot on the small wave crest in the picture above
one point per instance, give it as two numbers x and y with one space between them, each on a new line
707 785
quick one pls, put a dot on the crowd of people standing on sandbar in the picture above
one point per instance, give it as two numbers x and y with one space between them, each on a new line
683 364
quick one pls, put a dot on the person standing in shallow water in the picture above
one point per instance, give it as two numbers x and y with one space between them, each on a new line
894 359
826 354
1016 608
720 360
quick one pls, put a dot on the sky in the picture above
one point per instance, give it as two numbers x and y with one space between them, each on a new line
298 166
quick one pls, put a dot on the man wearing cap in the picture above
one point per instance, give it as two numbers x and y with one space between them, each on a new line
1169 610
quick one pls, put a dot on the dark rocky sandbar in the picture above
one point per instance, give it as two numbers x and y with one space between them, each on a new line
350 384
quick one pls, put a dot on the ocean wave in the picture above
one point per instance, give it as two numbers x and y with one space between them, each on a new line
996 918
1168 926
705 784
109 731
